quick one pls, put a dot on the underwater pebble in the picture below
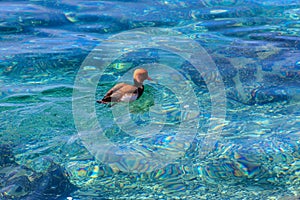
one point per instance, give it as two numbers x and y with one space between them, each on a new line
218 11
89 68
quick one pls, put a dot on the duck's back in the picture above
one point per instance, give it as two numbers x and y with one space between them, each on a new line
123 92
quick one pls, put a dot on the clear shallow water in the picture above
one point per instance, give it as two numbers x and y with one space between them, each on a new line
255 46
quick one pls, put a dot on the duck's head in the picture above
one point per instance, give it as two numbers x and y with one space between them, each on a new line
139 76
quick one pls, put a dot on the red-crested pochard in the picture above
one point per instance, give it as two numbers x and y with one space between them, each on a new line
123 92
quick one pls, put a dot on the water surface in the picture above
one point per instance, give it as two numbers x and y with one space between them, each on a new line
255 47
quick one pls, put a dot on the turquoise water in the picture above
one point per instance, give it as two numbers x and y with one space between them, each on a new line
220 120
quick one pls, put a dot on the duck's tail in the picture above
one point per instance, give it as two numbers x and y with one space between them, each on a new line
101 101
110 104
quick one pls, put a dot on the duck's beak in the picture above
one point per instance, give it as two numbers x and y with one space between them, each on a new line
150 79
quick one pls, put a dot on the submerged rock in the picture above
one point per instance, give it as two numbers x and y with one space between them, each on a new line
20 182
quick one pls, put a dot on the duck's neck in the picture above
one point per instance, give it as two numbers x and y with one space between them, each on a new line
137 84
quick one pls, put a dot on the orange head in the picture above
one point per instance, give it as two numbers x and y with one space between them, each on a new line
139 76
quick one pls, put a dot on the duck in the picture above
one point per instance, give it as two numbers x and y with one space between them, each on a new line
123 92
